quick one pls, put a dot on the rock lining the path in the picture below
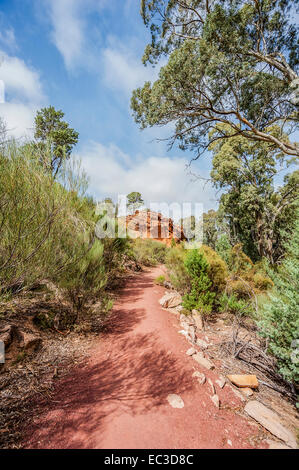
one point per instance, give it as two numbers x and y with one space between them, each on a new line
175 401
270 421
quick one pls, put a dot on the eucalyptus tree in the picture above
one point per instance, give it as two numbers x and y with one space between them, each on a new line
255 206
233 62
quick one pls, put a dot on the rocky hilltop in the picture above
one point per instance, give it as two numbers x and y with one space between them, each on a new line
149 224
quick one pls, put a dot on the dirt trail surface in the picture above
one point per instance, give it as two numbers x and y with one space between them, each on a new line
119 397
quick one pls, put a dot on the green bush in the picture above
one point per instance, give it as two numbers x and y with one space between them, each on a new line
178 274
86 278
231 304
279 321
148 252
40 221
217 269
262 282
47 231
200 297
223 248
160 280
239 288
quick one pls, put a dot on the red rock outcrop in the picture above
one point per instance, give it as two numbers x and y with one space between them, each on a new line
153 225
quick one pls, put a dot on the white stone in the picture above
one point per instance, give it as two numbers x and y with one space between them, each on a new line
212 386
203 361
200 377
170 299
191 351
175 401
201 343
220 382
215 400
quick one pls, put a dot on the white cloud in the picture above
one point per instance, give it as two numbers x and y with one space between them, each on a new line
7 38
68 29
159 179
70 33
23 95
124 71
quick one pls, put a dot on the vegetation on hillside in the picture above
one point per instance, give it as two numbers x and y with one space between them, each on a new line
48 223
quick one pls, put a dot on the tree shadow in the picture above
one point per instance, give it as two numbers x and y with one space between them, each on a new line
134 379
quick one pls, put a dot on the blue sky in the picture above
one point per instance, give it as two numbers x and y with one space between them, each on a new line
84 57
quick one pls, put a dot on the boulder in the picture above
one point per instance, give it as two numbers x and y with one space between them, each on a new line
185 325
237 393
170 300
244 380
186 319
270 421
203 361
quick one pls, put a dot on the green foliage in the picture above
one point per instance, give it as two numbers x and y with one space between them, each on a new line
231 304
134 201
148 252
85 278
253 208
223 248
175 263
210 228
55 134
47 232
35 212
279 321
240 262
229 61
160 280
217 269
200 296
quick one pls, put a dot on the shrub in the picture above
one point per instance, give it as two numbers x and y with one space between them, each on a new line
217 269
231 304
223 248
85 279
200 297
148 252
178 273
238 288
39 219
279 321
262 282
47 230
160 280
239 261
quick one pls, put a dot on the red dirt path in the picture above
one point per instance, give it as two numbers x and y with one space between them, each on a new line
118 397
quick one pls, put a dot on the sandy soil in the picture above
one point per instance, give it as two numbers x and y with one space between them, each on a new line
118 397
